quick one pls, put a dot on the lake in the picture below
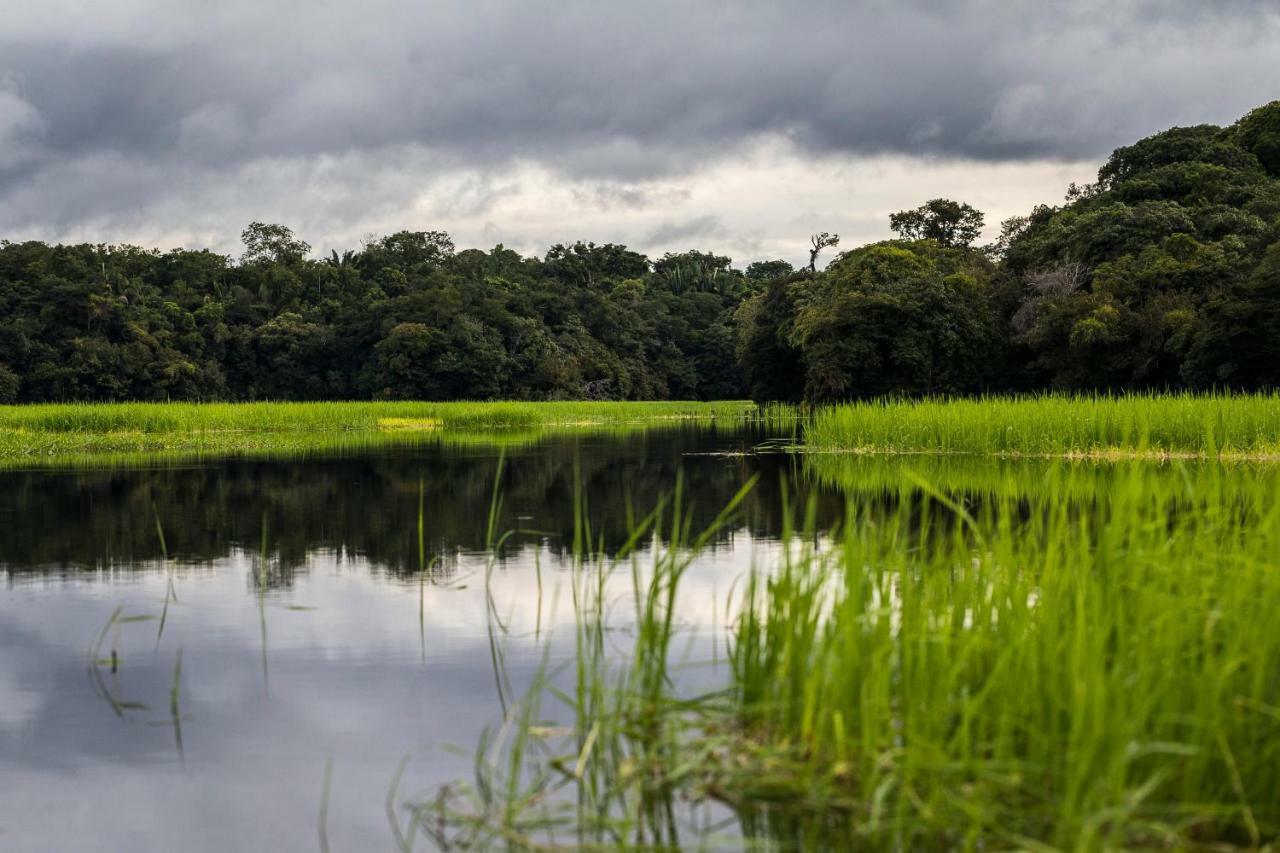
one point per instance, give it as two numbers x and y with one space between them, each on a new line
231 653
308 632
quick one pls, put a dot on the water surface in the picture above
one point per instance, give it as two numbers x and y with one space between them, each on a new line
314 625
318 623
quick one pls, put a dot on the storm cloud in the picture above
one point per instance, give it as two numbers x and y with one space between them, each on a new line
180 120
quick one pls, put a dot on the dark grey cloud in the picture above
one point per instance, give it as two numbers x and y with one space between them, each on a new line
188 95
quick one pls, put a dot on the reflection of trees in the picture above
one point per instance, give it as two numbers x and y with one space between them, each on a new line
367 506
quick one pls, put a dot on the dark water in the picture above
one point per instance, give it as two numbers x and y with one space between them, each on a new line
307 631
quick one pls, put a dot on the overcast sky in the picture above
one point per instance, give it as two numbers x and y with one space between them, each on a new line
739 127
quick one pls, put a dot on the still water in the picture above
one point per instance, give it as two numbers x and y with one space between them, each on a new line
275 617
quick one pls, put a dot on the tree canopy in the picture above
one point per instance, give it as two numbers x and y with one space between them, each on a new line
946 222
1164 273
1139 280
404 316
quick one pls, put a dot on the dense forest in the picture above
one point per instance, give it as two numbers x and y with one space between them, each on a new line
1165 273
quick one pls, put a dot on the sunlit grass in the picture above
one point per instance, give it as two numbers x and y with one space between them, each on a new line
409 424
1147 425
1025 670
114 433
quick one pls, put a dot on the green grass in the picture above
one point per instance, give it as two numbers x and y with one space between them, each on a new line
1180 483
115 432
1032 670
1057 425
611 780
1013 661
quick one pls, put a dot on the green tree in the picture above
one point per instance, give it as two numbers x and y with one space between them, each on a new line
770 362
269 243
292 359
589 265
763 271
1259 134
697 271
898 318
1238 345
1159 257
408 251
949 223
404 366
10 382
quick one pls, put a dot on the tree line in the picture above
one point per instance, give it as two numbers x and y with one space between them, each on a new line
1164 273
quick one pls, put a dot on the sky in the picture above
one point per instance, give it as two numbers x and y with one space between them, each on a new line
737 127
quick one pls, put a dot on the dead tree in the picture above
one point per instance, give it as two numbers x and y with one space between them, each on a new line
820 242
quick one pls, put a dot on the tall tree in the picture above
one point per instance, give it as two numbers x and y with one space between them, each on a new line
270 243
950 223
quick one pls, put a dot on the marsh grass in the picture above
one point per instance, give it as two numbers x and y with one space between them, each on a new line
1078 675
115 433
605 779
1009 669
1080 426
175 711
